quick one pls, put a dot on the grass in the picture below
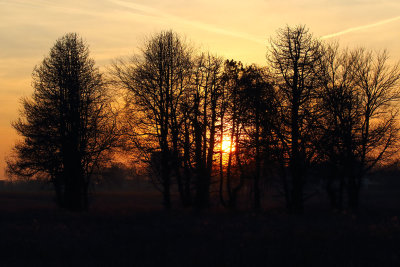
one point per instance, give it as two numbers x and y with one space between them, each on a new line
131 229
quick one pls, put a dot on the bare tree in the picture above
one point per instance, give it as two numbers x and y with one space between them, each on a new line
258 98
340 118
378 88
206 94
156 82
68 125
294 55
359 100
231 171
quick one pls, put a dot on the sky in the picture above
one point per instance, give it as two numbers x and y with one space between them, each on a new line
234 29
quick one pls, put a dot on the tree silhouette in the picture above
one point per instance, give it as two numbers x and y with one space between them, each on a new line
156 82
232 174
203 116
67 125
258 97
340 106
294 55
377 83
359 100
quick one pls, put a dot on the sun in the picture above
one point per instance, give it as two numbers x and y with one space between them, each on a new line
226 145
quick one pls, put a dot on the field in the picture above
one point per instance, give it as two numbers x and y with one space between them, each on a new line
131 229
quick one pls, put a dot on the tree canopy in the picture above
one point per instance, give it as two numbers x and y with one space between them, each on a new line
67 126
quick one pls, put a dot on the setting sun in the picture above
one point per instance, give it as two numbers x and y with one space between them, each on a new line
226 145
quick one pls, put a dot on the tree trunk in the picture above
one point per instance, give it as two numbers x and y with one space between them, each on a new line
166 180
257 197
296 160
353 193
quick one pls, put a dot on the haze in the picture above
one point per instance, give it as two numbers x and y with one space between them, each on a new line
232 29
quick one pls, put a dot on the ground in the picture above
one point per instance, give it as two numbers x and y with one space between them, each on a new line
131 229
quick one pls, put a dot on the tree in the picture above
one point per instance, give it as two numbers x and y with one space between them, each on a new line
258 99
378 87
67 125
294 55
156 82
359 101
230 110
340 109
205 97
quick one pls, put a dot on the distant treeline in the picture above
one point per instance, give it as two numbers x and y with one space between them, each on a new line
209 126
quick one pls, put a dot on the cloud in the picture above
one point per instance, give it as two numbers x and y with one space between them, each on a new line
359 28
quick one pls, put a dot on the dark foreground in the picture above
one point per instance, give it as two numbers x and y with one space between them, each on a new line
128 229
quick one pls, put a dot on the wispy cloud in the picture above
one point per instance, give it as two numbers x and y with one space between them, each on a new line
359 28
200 25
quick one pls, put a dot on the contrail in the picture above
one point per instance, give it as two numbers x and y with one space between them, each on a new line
197 24
354 29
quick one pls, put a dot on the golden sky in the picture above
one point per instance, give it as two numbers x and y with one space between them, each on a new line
231 28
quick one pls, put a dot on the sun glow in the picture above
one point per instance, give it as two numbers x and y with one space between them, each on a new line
226 145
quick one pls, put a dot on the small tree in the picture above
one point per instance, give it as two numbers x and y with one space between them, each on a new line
67 125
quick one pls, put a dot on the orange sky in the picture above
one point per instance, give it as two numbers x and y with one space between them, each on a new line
231 28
